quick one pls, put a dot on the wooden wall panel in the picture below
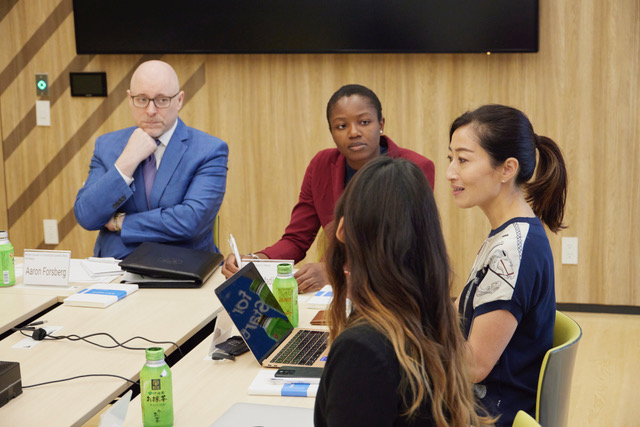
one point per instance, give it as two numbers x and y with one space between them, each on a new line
3 192
581 89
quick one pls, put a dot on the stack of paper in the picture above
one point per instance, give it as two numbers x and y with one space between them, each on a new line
99 267
100 296
94 270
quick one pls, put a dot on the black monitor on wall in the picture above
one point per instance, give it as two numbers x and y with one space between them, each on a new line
306 26
88 84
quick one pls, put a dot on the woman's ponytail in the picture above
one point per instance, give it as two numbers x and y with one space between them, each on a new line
547 193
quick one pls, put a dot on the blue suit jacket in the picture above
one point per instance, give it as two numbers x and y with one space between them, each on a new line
185 197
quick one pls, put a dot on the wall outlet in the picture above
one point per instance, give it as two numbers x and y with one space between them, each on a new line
569 250
51 232
43 113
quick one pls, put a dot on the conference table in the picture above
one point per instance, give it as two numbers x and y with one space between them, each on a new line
16 308
204 389
58 292
20 302
157 314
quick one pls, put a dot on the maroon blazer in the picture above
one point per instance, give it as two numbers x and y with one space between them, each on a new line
321 188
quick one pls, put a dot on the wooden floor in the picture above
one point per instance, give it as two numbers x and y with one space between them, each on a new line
606 377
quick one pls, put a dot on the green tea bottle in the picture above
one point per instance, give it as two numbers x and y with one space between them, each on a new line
285 288
156 392
7 262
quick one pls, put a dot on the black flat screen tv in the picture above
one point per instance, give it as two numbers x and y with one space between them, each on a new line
306 26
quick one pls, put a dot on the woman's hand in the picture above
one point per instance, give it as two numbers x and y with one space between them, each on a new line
311 277
230 266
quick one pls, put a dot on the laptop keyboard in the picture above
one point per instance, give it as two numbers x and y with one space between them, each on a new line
304 348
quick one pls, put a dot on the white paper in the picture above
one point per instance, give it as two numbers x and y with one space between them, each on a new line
117 413
79 274
98 267
29 342
268 268
224 330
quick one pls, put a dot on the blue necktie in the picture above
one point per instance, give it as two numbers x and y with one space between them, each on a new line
149 171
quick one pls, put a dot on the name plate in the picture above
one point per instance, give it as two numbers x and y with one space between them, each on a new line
50 268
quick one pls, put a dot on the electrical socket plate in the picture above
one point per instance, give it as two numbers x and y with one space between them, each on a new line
43 113
51 232
569 250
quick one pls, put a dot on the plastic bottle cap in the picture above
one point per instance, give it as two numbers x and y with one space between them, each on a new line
154 353
4 234
285 268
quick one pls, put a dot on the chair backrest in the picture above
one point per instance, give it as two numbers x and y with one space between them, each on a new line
554 383
523 419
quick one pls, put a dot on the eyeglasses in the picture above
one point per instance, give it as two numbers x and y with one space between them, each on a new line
142 101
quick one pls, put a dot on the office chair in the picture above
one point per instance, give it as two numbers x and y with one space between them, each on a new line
523 419
554 383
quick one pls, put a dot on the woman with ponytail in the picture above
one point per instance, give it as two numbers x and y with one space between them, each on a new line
399 358
508 304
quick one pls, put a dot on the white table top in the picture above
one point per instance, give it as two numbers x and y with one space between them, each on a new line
203 389
157 314
18 307
58 292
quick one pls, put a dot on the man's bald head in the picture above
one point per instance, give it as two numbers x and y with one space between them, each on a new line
155 71
151 80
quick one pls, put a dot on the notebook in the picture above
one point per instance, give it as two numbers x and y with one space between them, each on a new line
100 296
253 414
166 266
263 325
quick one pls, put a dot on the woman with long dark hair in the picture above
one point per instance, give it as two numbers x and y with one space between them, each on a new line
399 357
508 304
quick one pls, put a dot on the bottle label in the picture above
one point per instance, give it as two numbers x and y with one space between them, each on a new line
156 396
159 397
7 265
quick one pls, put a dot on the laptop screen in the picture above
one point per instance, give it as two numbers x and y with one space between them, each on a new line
254 310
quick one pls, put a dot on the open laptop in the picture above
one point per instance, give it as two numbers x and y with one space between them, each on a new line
265 328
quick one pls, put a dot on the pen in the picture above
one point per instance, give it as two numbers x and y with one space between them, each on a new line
234 248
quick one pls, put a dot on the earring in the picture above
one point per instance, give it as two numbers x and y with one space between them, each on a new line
503 181
380 131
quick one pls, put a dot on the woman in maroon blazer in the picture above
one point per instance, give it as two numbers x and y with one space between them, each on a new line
356 124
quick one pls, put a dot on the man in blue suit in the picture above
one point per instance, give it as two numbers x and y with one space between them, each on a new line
125 201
